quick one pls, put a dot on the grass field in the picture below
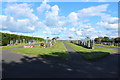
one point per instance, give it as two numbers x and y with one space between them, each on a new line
18 45
107 45
91 54
12 46
57 50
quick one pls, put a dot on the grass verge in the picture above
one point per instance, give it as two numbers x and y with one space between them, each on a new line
107 45
91 54
12 46
18 45
57 50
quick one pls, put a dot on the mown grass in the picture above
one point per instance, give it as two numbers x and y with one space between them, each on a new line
18 45
107 45
57 50
12 46
91 54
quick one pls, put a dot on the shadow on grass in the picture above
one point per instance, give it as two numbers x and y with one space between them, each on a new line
93 55
50 67
62 55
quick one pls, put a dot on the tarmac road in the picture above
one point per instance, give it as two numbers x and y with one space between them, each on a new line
15 65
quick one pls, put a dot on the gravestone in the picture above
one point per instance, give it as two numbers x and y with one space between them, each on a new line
23 40
89 44
50 43
16 42
92 44
20 41
30 44
11 42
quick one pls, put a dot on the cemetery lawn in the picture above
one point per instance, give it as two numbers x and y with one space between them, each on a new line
57 50
107 45
18 45
12 46
91 54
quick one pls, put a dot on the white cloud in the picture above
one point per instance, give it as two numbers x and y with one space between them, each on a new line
90 29
19 25
53 18
79 32
109 19
43 7
20 18
73 16
20 10
108 26
73 29
93 11
53 14
54 31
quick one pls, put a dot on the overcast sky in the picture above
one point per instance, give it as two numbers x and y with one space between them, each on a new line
63 19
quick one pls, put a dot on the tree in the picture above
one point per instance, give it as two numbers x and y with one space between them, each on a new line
106 39
70 37
87 38
99 39
117 40
55 38
6 38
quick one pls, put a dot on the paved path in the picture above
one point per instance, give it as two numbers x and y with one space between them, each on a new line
20 66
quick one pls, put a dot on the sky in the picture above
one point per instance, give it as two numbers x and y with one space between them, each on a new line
63 19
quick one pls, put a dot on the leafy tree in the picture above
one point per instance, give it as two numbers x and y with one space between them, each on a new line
117 40
5 38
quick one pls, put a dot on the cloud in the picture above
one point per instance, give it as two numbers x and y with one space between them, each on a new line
19 25
54 31
108 26
99 10
22 18
93 11
43 7
20 10
73 16
72 29
79 32
109 18
19 18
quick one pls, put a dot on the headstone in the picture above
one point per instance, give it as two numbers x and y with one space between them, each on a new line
92 44
16 42
23 40
50 43
89 44
11 42
29 44
54 41
20 41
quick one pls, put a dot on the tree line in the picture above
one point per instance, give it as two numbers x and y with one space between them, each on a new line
107 39
6 38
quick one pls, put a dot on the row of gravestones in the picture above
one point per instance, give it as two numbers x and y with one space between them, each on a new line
49 43
109 43
20 41
88 44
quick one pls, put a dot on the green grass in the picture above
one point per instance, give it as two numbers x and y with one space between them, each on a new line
91 54
18 45
107 45
12 46
57 50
